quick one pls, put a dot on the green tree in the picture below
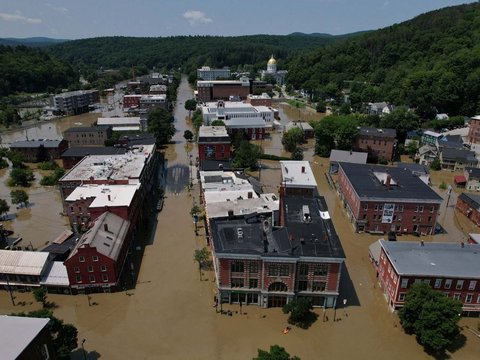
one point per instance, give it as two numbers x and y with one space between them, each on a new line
300 311
297 154
19 197
160 123
197 119
217 123
188 135
20 177
4 207
40 295
344 109
52 179
436 165
292 138
3 163
201 257
431 316
276 353
412 148
321 107
247 155
16 158
190 105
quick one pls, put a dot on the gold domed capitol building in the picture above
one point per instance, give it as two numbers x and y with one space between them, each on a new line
278 75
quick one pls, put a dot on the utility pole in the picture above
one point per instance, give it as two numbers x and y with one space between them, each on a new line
10 291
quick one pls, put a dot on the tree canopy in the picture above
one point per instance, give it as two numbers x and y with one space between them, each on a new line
160 123
431 316
292 138
300 311
247 155
276 353
19 197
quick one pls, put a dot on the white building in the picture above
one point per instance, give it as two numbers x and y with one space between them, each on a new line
122 123
206 73
278 75
229 110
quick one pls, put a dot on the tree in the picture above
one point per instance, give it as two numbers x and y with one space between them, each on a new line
3 163
52 179
247 155
4 207
436 165
431 316
217 123
345 109
20 177
40 295
201 257
276 353
65 336
297 154
412 148
188 135
197 119
292 138
300 311
19 197
321 107
160 123
190 105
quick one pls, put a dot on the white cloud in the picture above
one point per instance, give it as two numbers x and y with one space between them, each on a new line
195 17
59 9
20 18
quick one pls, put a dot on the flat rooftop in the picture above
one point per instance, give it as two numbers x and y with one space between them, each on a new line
370 184
112 121
92 150
434 259
22 262
266 203
376 132
105 195
17 333
245 122
212 132
297 174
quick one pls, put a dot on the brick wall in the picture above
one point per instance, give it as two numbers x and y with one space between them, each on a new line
468 211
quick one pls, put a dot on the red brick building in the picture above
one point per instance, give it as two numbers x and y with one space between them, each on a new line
469 205
451 268
256 263
378 143
259 100
223 89
40 150
130 101
380 199
97 261
72 156
474 130
213 143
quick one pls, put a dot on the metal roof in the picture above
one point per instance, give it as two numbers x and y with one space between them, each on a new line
434 259
17 333
22 262
56 275
82 151
348 156
47 143
87 129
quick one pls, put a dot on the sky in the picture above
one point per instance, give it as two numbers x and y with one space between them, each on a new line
76 19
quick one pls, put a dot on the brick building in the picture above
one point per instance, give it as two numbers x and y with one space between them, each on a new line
97 261
474 130
87 202
259 100
87 136
40 150
72 156
469 205
223 89
131 101
382 199
451 268
213 143
378 143
257 263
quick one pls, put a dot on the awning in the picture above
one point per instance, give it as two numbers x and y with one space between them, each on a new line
460 180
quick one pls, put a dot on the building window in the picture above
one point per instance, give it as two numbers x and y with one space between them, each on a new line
302 285
380 207
468 298
253 268
432 209
319 286
478 299
456 296
76 269
303 269
401 208
472 285
426 281
420 208
90 268
401 297
429 219
404 284
459 285
376 207
365 206
448 284
81 258
414 218
272 270
320 270
438 283
95 258
237 283
253 283
78 278
284 270
416 208
103 267
236 267
92 278
418 281
105 277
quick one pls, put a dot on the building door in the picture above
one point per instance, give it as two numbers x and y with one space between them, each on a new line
415 228
276 300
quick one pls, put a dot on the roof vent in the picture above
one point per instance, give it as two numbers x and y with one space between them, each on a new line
240 233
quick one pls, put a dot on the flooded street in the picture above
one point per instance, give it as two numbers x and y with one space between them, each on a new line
170 313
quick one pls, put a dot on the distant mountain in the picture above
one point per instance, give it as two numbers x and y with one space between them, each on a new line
330 36
31 41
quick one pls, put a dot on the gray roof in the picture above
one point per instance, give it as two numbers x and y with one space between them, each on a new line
404 185
414 168
36 143
87 129
458 155
434 259
108 241
376 132
17 333
473 173
348 156
92 150
472 200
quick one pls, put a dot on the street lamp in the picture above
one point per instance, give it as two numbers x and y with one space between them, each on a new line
83 349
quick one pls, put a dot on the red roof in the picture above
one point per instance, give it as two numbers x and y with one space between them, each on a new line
460 179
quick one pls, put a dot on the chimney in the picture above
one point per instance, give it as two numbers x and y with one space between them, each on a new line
109 198
250 195
303 169
105 227
230 213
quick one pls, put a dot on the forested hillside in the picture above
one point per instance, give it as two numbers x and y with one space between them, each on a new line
430 61
24 69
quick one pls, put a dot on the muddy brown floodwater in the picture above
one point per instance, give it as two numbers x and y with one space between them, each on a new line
170 314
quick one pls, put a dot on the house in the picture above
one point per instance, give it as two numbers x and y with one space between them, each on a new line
469 205
26 338
258 263
306 128
380 108
418 170
378 143
337 156
427 154
40 150
22 269
98 260
213 143
430 137
451 268
73 155
472 177
450 141
457 159
87 136
381 199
